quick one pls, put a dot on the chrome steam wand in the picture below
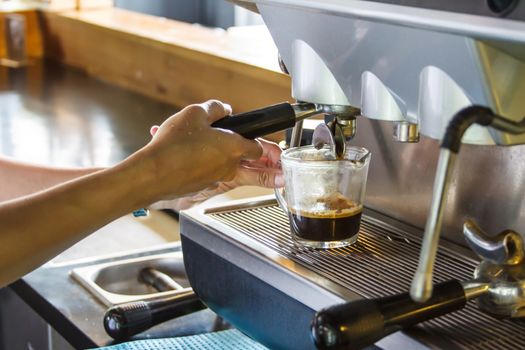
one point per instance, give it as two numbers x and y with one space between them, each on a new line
421 289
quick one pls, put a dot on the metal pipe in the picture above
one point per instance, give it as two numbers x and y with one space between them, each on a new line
302 111
509 126
297 134
474 289
421 289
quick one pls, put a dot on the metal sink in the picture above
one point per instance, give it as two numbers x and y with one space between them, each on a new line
117 281
113 279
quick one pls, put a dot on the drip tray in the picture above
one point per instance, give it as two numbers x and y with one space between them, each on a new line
380 264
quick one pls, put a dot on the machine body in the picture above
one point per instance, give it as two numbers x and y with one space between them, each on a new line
407 67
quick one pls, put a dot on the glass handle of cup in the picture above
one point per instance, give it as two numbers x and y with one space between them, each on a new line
280 199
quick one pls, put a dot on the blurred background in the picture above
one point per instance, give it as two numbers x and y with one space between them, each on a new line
211 13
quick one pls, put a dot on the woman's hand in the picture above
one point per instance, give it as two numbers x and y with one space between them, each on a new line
264 171
188 155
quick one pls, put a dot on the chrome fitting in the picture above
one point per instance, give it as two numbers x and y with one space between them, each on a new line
406 132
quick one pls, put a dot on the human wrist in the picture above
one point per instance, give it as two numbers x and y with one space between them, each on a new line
138 175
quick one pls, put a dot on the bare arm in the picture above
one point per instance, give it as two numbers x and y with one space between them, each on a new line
21 179
185 156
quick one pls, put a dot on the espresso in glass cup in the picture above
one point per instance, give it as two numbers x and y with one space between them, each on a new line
323 196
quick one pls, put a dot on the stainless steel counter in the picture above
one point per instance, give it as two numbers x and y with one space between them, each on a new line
55 115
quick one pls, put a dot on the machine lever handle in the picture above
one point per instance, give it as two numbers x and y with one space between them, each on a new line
124 320
506 248
266 120
361 323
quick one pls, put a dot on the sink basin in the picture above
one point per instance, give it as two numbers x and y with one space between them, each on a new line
121 277
117 281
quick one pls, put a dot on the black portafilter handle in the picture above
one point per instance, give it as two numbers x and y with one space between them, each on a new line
124 320
361 323
259 122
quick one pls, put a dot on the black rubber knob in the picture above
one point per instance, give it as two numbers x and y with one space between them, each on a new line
260 122
123 321
502 7
361 323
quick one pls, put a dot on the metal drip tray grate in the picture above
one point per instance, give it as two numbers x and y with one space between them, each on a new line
381 263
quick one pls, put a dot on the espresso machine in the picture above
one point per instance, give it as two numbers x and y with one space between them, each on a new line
436 91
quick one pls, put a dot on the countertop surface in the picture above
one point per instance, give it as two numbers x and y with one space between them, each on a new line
77 315
54 115
59 116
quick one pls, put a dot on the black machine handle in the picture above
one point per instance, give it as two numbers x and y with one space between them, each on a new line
123 321
361 323
259 122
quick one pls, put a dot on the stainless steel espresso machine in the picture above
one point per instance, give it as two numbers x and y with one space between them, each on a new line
414 81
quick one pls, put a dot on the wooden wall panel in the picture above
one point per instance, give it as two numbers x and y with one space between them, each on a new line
34 45
176 70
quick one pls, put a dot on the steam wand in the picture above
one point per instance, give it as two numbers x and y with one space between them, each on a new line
421 289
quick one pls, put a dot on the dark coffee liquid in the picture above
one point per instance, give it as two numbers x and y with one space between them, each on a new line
326 226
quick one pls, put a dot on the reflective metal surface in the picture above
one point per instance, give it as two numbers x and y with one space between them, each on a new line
398 72
487 183
52 114
506 294
454 17
312 80
421 289
254 235
348 127
475 289
502 269
406 132
331 135
117 282
505 248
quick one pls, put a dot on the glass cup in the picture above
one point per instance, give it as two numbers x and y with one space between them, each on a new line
323 196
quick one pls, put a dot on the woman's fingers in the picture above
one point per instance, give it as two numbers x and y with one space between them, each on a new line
252 149
264 171
271 150
153 130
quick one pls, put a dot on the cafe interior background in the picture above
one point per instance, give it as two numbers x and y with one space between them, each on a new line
413 82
